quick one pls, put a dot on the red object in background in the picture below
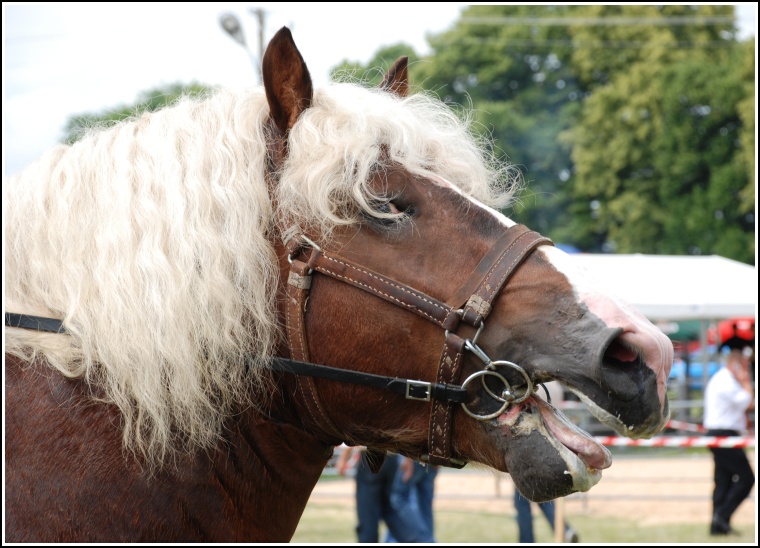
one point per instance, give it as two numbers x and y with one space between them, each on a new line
745 329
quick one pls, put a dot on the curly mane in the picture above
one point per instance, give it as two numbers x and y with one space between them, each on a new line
152 240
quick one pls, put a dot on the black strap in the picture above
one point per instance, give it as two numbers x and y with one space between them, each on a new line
37 323
416 390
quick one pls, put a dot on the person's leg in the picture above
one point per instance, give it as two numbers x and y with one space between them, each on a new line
524 518
399 498
404 513
425 494
368 505
404 524
401 491
548 510
739 479
721 478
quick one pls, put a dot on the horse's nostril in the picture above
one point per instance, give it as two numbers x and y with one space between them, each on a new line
619 351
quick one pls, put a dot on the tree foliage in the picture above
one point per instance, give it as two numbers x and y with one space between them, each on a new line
657 153
520 81
634 126
147 101
371 73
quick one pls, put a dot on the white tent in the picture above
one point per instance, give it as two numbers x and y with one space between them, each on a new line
675 287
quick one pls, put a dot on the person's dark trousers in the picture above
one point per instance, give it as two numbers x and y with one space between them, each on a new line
734 480
525 517
373 504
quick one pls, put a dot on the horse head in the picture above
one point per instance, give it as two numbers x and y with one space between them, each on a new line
416 278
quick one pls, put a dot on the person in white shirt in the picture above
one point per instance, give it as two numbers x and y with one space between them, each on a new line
728 396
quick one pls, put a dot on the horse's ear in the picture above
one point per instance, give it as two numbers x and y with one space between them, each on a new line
396 80
287 81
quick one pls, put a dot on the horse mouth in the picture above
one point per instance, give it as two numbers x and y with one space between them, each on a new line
582 456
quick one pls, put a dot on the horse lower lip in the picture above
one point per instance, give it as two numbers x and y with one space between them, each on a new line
594 455
587 449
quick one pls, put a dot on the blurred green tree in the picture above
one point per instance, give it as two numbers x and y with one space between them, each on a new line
605 111
372 72
660 155
147 101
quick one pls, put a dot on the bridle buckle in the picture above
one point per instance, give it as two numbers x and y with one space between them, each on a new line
418 390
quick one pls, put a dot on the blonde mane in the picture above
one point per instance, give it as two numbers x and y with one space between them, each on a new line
152 242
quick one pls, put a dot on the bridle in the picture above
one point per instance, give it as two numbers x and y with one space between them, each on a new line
470 305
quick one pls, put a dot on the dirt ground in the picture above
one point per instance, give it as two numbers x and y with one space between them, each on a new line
650 490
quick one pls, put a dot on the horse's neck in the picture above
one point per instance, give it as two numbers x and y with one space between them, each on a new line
275 465
67 452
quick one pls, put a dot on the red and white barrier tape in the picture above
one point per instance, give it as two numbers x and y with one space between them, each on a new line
679 441
689 427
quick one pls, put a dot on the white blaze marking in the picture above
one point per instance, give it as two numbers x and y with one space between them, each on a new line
502 219
638 332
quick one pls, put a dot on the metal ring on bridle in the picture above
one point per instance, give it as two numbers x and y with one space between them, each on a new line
491 366
483 373
529 389
312 243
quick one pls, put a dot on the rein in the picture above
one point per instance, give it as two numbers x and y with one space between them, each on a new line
415 390
471 304
35 323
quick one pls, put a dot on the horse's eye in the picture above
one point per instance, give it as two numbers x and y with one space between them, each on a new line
395 208
388 208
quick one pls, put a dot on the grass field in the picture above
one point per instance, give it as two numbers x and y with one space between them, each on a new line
334 524
650 498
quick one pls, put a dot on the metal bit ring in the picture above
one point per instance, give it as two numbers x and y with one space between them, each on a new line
505 404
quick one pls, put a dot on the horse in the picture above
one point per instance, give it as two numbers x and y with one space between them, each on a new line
202 302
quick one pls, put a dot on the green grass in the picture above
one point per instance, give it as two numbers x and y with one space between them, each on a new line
334 524
331 522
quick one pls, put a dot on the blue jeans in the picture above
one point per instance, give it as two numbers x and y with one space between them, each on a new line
414 498
373 503
525 516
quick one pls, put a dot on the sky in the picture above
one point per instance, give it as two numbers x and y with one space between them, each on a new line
64 59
